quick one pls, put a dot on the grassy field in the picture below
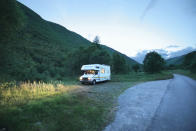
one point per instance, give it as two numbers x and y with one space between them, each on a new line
58 105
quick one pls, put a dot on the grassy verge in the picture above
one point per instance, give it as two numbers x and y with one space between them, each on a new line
185 72
65 105
142 76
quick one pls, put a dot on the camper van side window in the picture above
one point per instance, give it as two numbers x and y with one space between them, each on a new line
102 71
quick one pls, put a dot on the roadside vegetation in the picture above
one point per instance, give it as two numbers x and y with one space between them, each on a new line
185 72
48 106
142 76
64 105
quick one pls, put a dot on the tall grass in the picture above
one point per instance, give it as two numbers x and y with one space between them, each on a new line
48 106
19 93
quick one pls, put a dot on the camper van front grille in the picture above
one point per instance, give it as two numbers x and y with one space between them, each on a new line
85 79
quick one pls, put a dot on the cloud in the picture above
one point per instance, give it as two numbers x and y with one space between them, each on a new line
181 52
165 53
173 46
140 56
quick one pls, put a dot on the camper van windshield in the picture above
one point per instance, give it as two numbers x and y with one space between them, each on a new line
90 72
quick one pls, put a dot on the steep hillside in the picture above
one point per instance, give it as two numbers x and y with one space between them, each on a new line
175 61
37 48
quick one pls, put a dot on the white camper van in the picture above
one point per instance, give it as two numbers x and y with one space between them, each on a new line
95 73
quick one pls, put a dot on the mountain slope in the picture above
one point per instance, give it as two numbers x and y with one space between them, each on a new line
176 60
38 48
186 59
129 60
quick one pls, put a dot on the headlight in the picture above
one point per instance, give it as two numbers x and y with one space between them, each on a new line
80 78
89 78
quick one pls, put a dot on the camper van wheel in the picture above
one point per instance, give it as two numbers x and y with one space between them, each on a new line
94 82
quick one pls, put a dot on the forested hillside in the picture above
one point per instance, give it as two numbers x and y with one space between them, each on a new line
187 61
35 49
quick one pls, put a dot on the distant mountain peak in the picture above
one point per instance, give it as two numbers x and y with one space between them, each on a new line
167 53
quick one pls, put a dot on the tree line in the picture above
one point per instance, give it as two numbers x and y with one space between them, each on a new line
96 54
43 64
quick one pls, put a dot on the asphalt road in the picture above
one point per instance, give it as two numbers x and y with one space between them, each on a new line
166 105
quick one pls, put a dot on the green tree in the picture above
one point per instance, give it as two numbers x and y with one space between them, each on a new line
193 67
153 62
89 55
96 41
119 64
11 18
189 61
136 67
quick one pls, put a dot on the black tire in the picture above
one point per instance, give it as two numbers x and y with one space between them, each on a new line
93 82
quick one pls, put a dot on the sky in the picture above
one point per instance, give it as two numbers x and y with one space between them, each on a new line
129 26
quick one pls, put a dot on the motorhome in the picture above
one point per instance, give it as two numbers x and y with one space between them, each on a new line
94 73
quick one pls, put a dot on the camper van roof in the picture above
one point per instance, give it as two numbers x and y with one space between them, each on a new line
92 67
